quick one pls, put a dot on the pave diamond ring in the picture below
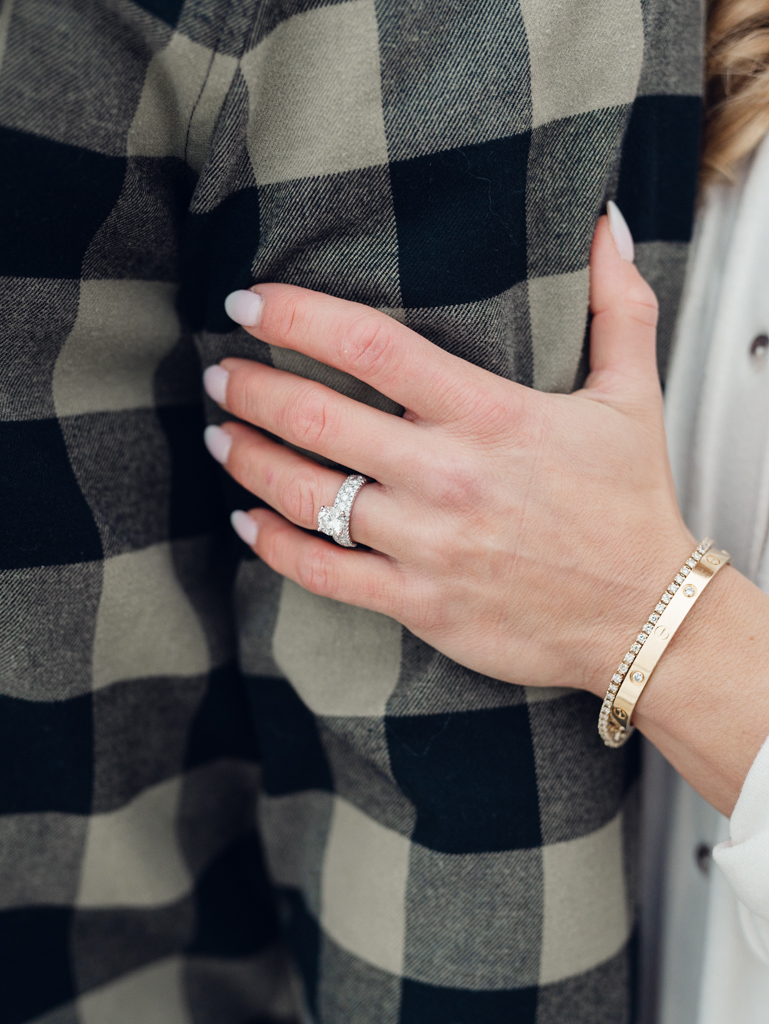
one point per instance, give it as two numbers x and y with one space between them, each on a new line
334 520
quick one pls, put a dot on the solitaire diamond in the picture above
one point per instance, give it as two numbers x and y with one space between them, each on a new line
331 521
638 677
334 520
689 591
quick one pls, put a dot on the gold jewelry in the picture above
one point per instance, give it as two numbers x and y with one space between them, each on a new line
633 674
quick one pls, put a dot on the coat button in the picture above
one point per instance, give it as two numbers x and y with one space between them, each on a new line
702 856
759 347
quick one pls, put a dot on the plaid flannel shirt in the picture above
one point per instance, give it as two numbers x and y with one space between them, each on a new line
433 846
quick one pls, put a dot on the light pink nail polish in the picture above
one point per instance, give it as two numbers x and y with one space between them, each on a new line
218 442
244 307
215 382
245 527
620 232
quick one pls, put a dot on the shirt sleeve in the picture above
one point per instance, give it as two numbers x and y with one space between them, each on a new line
744 857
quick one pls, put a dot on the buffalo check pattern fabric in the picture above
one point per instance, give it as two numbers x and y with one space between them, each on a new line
224 800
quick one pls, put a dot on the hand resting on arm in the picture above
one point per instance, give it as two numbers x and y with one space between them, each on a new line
523 534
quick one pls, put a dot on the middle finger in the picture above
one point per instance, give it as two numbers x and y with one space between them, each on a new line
318 419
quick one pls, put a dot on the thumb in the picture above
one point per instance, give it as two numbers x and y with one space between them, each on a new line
623 335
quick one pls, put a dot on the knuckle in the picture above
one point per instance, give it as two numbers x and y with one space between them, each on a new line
642 303
240 395
298 498
268 548
314 572
306 420
288 315
368 345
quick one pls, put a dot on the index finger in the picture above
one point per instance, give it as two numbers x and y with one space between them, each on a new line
365 343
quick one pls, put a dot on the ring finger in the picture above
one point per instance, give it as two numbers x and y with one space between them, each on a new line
294 485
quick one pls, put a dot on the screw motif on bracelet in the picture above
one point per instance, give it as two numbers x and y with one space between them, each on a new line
633 674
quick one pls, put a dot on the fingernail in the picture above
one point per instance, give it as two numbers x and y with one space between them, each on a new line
245 308
218 442
245 527
215 382
620 232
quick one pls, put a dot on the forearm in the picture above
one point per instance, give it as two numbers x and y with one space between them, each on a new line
706 708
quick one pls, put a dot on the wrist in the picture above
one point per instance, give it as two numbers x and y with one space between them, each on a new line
637 588
707 706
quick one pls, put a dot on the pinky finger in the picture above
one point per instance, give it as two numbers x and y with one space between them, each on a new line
359 577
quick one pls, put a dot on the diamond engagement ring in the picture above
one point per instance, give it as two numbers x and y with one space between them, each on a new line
334 520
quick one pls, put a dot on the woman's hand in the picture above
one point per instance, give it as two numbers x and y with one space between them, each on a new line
525 535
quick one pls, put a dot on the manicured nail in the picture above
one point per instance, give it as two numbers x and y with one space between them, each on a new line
620 232
215 382
245 527
218 442
245 308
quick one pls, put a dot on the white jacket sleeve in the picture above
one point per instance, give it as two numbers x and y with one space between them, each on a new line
744 857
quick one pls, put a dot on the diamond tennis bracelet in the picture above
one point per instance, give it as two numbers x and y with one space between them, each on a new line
636 667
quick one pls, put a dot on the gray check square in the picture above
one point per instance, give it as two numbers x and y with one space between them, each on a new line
453 898
452 75
578 792
349 989
329 210
84 83
47 627
44 313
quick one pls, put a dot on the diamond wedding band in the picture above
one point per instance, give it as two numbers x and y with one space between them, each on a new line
334 520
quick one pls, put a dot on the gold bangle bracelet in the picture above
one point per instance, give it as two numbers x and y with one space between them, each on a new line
628 682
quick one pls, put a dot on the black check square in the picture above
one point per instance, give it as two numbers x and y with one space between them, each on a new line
218 248
485 800
235 909
46 520
289 741
53 197
46 755
428 1004
658 174
34 952
461 220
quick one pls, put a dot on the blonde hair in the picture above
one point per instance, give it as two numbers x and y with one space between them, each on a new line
737 84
